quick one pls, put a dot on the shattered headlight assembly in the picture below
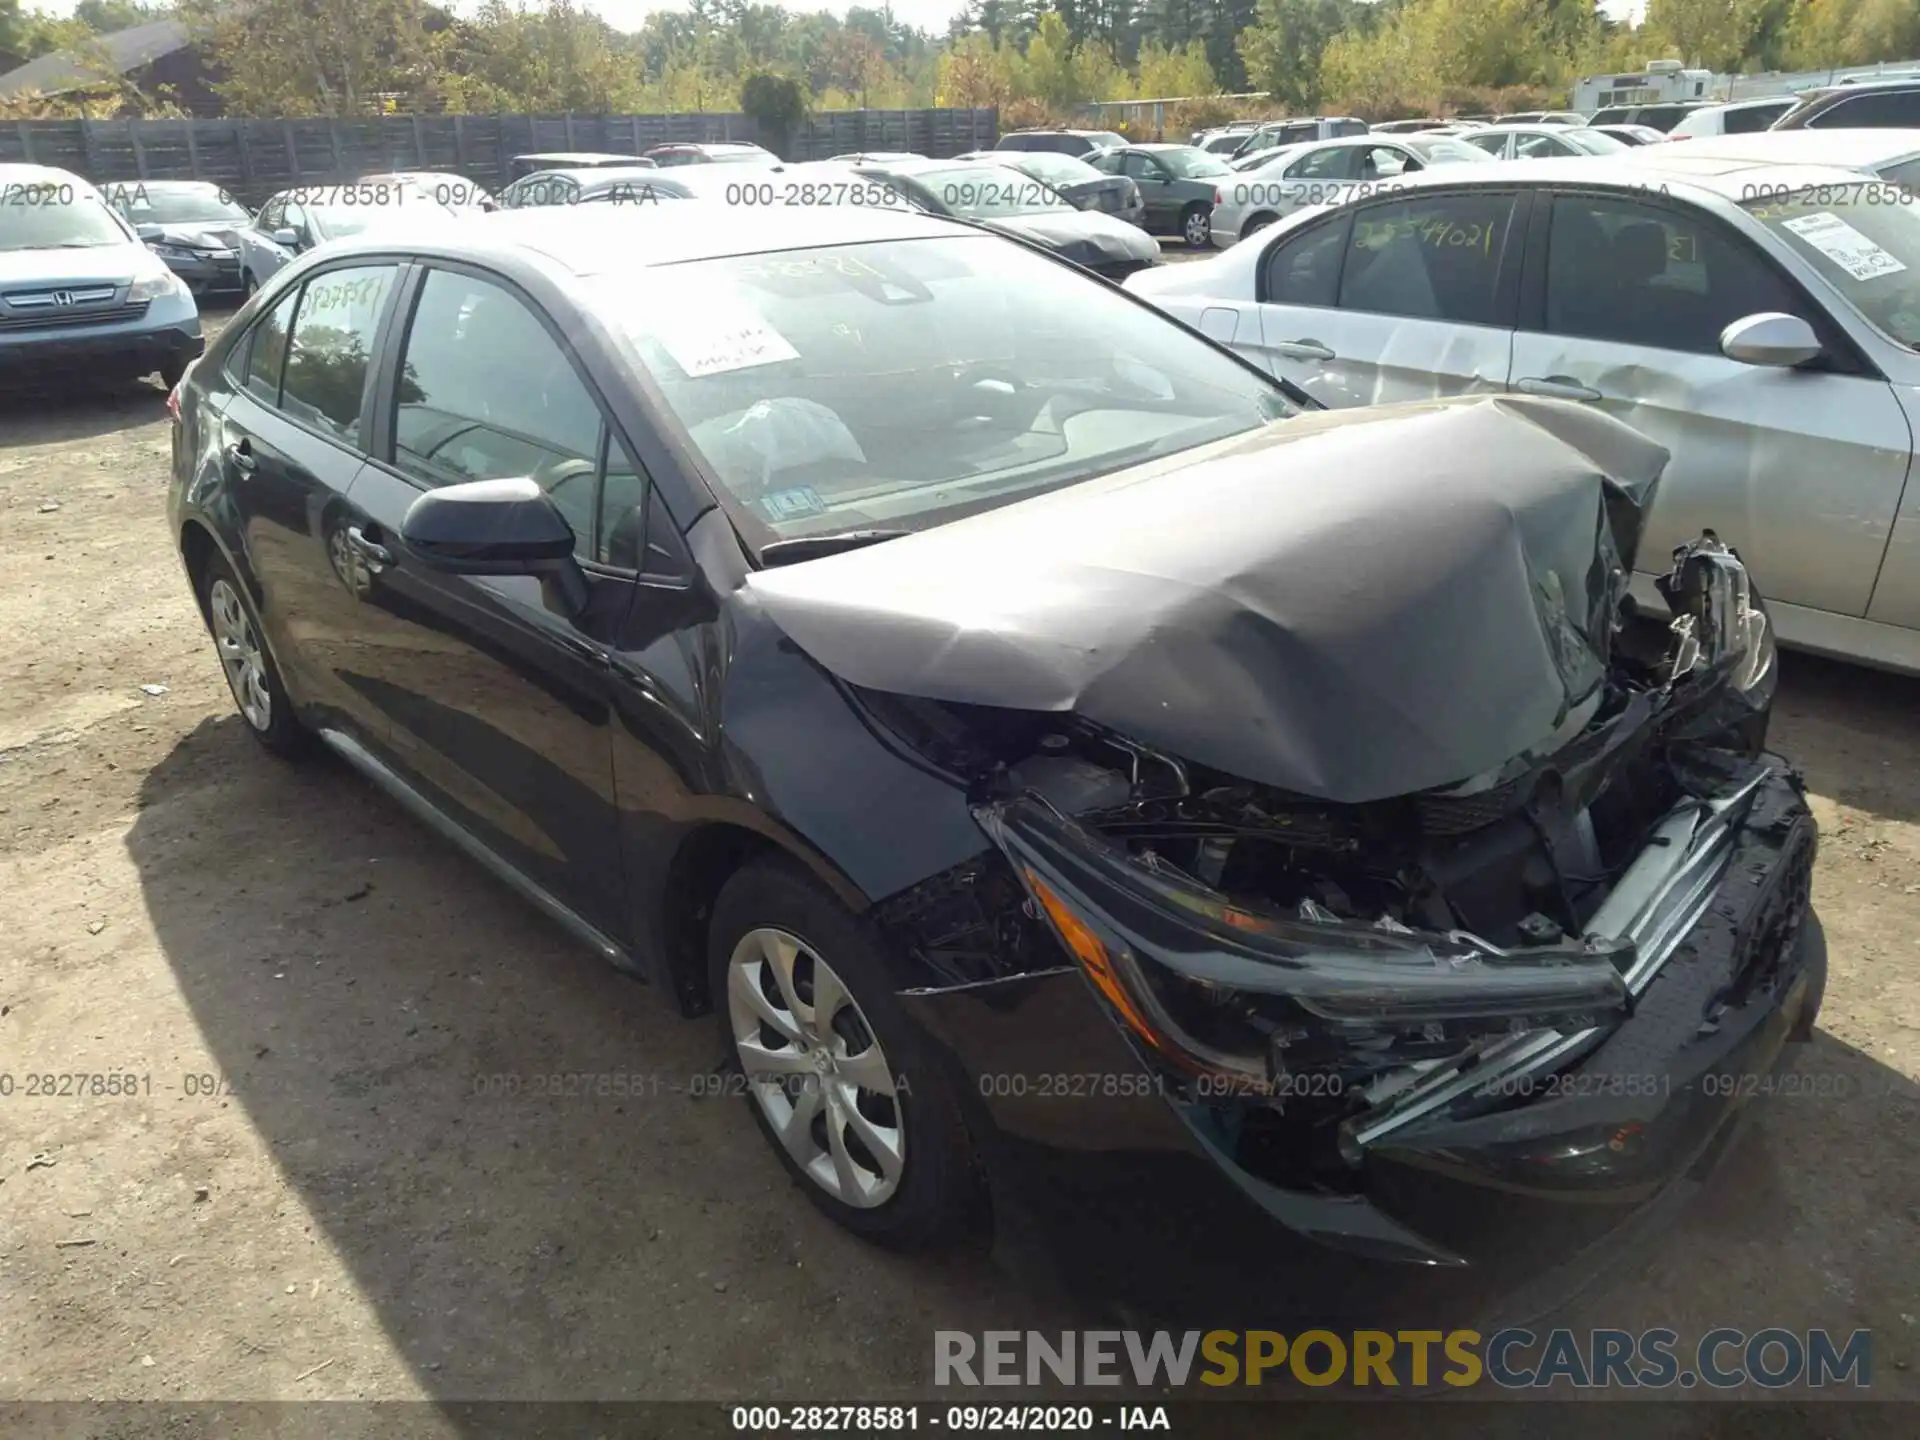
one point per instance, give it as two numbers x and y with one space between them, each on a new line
1237 998
1720 622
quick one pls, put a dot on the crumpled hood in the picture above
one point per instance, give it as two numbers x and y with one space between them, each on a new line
213 235
1084 236
1350 605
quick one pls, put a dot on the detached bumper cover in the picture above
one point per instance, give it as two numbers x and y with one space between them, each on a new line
1556 1141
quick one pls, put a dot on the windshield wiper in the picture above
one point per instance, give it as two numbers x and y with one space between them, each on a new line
811 547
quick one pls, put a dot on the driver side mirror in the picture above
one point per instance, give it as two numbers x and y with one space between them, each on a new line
497 527
287 237
148 231
1770 338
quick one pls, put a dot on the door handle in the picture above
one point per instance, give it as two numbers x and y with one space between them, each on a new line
376 556
240 456
1303 350
1557 387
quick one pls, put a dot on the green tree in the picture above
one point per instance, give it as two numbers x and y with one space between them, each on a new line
317 57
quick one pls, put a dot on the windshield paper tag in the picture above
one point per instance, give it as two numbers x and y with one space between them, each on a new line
793 504
1844 245
713 334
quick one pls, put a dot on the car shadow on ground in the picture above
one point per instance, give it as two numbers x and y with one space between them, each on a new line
60 410
404 1036
395 1025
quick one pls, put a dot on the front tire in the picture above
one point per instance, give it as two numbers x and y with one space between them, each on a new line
1196 226
252 677
845 1089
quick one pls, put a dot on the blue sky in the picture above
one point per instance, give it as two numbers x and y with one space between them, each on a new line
930 15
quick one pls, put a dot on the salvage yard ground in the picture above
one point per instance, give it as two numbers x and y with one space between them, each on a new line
309 1197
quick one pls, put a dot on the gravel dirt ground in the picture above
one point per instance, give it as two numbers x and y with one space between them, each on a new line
305 1195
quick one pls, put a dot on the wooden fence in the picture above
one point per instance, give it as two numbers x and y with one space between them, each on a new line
254 158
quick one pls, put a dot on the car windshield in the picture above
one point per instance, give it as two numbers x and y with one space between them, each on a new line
1865 239
56 215
146 205
899 384
989 192
1444 152
1057 169
1192 163
336 222
1594 142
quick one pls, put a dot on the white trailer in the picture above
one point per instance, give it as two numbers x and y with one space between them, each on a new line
1661 82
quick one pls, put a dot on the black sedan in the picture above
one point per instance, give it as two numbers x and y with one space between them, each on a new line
193 225
1045 750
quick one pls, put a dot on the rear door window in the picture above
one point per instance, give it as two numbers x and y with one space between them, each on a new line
331 345
1433 257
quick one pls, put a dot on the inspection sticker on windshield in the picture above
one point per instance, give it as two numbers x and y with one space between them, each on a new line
717 333
792 504
1844 245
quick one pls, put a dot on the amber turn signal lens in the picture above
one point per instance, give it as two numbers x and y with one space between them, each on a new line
1092 955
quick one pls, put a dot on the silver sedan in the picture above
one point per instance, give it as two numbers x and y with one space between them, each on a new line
1762 322
1326 172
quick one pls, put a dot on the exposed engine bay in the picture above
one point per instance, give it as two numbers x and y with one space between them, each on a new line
1336 971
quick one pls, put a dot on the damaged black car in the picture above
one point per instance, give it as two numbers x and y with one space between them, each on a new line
1048 745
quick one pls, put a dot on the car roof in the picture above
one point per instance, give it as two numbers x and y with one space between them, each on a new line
21 173
1854 87
605 239
1649 166
1847 148
562 157
585 175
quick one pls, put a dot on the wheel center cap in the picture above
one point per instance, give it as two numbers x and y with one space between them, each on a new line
822 1060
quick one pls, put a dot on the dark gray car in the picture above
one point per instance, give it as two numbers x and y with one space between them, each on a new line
639 184
1079 183
1012 201
193 225
1180 185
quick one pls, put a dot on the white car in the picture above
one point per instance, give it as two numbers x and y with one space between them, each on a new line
1736 117
1890 155
1318 173
1544 141
1755 320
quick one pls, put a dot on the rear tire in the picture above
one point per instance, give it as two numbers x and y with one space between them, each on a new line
1257 223
252 677
897 1169
171 373
248 285
1196 225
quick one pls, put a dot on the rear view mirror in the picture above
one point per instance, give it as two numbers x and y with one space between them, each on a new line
1770 338
496 527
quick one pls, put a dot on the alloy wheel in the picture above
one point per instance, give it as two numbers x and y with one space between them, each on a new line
815 1068
240 654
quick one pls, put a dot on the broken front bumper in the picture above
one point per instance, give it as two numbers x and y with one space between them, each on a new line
1542 1139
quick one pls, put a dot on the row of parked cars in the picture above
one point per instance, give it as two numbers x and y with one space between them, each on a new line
1076 771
